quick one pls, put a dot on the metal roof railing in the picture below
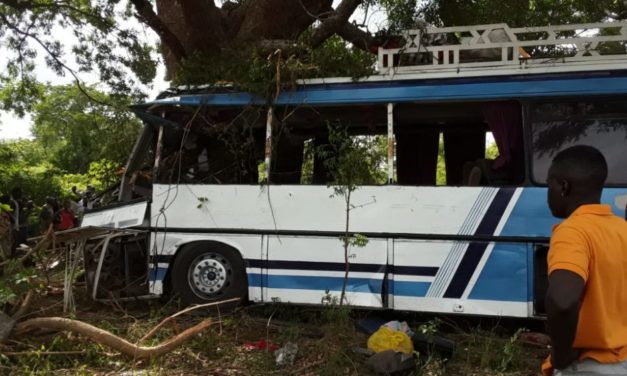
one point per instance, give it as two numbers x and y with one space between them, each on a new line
595 45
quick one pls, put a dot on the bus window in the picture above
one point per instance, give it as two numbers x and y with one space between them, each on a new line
449 139
601 123
301 142
212 148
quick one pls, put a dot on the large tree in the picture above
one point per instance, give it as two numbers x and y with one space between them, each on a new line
213 33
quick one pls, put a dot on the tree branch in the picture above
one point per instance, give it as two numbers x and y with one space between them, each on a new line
150 18
334 22
203 16
277 44
358 37
54 57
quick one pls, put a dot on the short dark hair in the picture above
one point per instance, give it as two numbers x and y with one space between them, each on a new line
583 165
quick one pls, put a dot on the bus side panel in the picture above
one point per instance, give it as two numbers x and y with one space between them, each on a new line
311 270
458 265
446 281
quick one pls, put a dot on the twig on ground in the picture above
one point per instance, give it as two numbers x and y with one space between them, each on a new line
187 310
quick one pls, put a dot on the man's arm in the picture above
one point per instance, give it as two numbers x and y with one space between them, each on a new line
563 299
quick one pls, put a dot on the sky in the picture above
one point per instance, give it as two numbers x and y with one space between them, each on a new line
13 127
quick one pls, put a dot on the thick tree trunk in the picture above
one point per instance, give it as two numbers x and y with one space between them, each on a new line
279 19
199 27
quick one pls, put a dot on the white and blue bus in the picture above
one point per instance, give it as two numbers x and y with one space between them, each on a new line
205 228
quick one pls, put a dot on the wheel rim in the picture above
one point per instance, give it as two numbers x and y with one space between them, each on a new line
209 275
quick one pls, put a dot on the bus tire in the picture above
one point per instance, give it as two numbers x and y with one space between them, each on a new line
205 272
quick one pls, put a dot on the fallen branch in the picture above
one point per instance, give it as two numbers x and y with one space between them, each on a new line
106 338
186 310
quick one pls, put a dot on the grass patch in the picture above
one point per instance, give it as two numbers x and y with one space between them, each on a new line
326 338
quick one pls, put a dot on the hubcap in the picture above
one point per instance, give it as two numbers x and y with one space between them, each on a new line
209 274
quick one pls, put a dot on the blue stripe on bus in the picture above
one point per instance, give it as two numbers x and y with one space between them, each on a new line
415 289
314 265
157 274
301 282
475 250
395 92
428 271
505 275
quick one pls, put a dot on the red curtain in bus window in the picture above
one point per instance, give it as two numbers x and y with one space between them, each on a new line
417 157
505 122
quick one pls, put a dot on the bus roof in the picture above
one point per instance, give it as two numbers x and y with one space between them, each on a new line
469 63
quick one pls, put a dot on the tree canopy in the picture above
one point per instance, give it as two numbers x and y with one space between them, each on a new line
77 142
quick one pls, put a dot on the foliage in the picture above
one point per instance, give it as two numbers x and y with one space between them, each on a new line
353 162
105 43
15 281
101 175
22 165
78 143
521 12
492 151
74 130
257 72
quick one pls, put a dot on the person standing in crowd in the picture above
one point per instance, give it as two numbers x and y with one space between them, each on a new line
66 217
586 300
47 216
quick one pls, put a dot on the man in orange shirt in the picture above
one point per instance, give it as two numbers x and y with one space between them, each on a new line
586 301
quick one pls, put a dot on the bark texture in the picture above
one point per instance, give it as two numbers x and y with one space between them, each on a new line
199 27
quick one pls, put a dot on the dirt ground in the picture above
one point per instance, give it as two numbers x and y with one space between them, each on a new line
242 342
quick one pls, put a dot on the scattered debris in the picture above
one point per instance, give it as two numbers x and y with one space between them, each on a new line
400 327
260 345
387 339
391 362
425 344
285 355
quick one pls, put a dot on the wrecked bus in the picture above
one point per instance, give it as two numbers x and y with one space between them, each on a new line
198 217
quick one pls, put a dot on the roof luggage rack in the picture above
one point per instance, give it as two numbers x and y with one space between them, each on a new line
499 48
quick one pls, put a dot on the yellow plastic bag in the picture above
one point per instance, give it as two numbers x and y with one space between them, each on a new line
388 339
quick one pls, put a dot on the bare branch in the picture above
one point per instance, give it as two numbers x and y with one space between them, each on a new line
358 37
332 24
277 44
150 18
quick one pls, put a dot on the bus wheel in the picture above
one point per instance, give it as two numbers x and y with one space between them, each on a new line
208 271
